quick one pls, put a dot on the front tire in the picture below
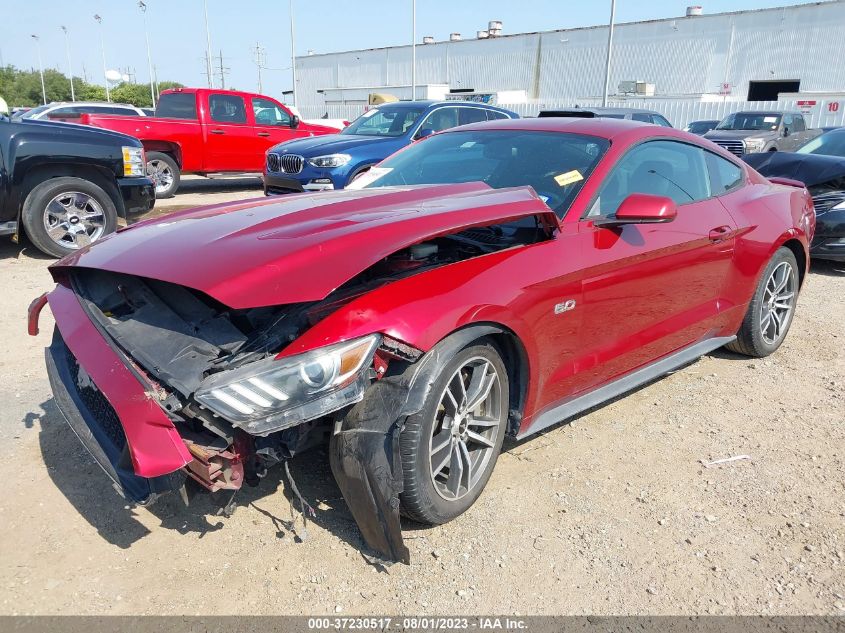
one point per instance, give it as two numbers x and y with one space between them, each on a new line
450 447
772 307
165 174
62 215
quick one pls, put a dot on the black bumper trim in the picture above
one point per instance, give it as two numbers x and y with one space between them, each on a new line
275 184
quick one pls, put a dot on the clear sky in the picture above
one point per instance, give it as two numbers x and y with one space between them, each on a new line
177 30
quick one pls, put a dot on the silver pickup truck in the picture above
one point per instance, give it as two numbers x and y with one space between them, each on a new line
749 132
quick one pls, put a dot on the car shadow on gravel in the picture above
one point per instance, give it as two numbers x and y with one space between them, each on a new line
827 268
78 477
24 249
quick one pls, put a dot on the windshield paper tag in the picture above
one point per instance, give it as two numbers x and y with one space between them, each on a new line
568 178
769 119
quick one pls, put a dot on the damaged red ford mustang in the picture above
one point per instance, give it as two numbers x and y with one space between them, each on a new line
491 280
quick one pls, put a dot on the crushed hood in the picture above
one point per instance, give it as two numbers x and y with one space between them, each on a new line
811 169
299 247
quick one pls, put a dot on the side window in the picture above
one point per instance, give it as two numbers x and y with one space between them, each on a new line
471 115
661 168
63 113
492 115
788 123
724 175
640 116
659 120
269 113
177 105
441 119
799 124
227 109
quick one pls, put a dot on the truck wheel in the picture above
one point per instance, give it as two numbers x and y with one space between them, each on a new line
61 215
164 172
450 447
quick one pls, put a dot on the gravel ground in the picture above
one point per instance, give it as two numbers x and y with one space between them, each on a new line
613 513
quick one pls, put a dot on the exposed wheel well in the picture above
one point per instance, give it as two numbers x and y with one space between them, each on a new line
165 147
800 256
516 362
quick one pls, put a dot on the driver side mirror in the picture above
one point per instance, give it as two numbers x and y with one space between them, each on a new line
294 122
427 131
641 208
786 131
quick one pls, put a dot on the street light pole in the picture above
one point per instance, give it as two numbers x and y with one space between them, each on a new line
69 65
292 52
40 68
103 51
413 50
609 49
208 46
143 8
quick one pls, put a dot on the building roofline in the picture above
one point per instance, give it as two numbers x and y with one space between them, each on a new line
583 28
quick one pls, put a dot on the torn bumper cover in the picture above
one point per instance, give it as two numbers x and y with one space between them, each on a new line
108 408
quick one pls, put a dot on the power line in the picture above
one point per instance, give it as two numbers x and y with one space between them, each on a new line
260 59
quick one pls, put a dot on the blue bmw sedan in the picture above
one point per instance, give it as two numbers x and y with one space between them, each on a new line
333 161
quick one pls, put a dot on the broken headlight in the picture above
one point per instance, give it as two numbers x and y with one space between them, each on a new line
270 395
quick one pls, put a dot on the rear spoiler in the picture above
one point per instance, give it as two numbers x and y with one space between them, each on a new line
789 182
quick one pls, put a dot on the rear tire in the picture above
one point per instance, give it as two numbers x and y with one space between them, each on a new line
62 215
469 438
165 174
772 307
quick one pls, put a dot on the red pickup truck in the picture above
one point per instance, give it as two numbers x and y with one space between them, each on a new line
202 131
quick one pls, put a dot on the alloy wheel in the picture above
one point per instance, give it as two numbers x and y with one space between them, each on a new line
778 303
74 219
161 174
466 426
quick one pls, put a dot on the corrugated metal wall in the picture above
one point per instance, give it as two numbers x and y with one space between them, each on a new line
679 111
684 57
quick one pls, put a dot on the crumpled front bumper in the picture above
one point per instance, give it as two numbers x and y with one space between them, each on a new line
105 402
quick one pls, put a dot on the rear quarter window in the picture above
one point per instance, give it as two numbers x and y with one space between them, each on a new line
724 175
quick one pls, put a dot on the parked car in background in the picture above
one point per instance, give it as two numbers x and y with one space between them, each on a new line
632 114
701 127
489 281
748 132
332 162
68 111
831 143
824 176
66 185
203 131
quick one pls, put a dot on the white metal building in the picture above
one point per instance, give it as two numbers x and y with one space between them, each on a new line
726 57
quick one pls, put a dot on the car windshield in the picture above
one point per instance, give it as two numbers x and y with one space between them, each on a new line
34 112
556 165
830 144
384 121
750 121
700 127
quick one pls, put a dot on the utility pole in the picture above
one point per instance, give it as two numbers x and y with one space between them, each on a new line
208 47
292 52
103 51
143 7
69 65
609 50
413 50
155 75
40 68
223 71
259 61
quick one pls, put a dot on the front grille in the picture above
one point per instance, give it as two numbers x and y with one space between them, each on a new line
824 202
734 147
285 163
94 400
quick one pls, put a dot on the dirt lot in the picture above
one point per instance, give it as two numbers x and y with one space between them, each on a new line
611 514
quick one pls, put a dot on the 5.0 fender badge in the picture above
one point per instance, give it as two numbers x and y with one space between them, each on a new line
566 306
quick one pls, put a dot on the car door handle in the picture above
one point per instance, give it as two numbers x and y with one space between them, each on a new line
264 134
719 233
217 132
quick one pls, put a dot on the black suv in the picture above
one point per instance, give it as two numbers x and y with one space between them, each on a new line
66 185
